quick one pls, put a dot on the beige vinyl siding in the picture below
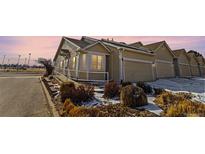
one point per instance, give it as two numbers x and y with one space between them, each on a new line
194 66
164 63
98 48
195 70
164 70
184 70
184 67
164 54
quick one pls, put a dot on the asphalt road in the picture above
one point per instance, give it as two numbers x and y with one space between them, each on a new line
21 95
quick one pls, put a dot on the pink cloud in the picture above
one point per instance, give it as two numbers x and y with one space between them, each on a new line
46 46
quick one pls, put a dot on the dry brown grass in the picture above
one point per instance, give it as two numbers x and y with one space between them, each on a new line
179 105
116 110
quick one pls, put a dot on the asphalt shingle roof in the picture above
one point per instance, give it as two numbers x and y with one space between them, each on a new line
153 46
79 43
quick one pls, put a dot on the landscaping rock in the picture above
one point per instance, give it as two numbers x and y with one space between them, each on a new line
132 96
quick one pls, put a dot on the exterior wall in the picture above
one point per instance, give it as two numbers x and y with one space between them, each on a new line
184 70
194 70
184 67
201 65
113 66
98 48
194 66
164 63
164 54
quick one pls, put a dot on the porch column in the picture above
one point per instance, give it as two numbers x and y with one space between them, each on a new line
88 61
77 64
121 64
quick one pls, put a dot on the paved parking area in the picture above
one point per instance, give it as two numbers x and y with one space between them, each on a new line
21 95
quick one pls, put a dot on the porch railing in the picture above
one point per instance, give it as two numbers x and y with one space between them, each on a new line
87 75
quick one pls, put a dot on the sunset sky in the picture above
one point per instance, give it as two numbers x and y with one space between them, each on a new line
46 46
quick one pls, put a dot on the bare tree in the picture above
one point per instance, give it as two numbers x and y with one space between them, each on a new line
47 63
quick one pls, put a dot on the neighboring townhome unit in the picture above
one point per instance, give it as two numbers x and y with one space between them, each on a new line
163 59
99 60
194 66
201 63
182 63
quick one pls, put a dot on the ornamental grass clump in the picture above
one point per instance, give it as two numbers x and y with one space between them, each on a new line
179 105
186 108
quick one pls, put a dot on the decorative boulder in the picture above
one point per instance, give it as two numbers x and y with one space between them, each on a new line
132 96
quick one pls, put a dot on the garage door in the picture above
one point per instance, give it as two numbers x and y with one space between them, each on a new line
184 70
137 71
165 69
195 70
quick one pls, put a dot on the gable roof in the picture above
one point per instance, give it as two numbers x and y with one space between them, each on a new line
178 52
192 55
155 46
117 44
79 43
136 44
120 44
98 42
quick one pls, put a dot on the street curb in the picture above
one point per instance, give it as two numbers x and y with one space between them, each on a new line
52 107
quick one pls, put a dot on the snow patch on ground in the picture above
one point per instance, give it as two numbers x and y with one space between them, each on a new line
152 107
196 86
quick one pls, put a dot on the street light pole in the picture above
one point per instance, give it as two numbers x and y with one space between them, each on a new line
29 58
25 61
19 56
3 59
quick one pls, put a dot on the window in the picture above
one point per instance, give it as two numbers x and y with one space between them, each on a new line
97 62
83 62
73 62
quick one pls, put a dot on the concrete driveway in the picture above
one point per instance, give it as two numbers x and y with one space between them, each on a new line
22 96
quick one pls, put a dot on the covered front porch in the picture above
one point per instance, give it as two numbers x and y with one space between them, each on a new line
84 66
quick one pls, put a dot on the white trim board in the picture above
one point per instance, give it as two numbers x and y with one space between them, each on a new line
184 64
137 60
164 61
96 53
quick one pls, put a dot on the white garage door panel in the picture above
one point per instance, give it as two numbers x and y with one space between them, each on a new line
137 71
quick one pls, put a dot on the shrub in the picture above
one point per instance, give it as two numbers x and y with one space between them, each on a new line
158 91
132 96
78 94
67 90
147 88
83 93
124 84
111 90
186 108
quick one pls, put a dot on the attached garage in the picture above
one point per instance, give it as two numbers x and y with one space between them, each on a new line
184 70
182 63
163 59
138 70
194 67
164 69
201 63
